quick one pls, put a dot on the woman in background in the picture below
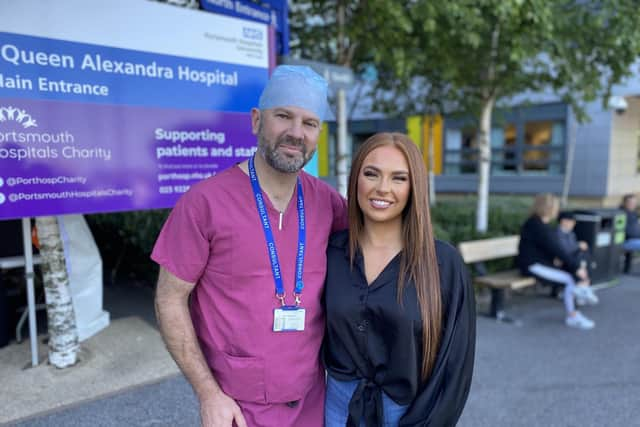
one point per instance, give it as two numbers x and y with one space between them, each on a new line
539 247
400 338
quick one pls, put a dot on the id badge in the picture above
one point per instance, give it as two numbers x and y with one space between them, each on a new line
288 319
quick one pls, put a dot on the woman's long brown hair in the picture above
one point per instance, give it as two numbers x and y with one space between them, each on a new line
418 260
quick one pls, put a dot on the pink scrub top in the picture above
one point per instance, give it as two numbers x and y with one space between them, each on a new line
214 238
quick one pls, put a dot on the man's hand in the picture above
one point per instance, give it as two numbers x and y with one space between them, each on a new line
584 246
172 308
221 411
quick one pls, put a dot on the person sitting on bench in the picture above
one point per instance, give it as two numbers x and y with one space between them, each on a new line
577 249
537 250
632 230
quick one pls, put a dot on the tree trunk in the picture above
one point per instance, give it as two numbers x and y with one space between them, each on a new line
63 335
484 136
568 167
484 165
342 152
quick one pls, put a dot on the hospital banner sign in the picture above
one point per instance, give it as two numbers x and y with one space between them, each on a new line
121 105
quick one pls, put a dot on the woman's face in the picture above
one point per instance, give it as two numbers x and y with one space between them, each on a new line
383 185
552 211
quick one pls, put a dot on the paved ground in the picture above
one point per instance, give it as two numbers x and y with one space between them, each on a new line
545 374
128 353
538 374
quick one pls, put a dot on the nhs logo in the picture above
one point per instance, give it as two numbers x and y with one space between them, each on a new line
252 33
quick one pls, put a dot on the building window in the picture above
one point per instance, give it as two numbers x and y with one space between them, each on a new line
461 155
521 146
504 156
543 147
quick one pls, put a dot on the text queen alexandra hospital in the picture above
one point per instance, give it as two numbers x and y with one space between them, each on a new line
11 54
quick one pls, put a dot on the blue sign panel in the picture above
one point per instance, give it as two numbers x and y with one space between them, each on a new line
270 12
94 119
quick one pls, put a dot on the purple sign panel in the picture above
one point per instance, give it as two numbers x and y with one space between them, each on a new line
64 157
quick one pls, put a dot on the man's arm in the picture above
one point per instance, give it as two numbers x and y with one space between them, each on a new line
176 327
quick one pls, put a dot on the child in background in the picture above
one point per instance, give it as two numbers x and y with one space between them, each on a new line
579 251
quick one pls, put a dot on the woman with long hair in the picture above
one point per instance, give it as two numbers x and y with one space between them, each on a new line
400 338
539 251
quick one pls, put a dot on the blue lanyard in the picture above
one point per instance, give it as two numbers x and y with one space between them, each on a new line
271 245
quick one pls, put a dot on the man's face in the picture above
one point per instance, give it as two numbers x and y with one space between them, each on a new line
287 136
631 203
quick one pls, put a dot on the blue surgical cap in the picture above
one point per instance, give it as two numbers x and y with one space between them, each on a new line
295 86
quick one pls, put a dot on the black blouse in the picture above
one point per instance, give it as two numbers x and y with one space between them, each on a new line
371 338
539 243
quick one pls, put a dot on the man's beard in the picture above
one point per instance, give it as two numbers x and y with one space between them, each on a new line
281 162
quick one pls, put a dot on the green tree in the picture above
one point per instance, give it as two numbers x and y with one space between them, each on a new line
469 55
344 32
485 51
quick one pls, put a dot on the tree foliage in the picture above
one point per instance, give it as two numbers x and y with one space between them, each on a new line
472 50
468 55
344 32
477 50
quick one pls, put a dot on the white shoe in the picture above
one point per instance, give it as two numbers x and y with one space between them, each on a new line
579 321
591 297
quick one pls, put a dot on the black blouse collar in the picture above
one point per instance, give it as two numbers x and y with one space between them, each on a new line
340 240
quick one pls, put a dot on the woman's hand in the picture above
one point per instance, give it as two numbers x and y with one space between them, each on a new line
582 273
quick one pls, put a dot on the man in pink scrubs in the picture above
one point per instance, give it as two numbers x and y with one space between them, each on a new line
243 263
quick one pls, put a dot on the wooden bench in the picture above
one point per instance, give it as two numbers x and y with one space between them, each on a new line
477 252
